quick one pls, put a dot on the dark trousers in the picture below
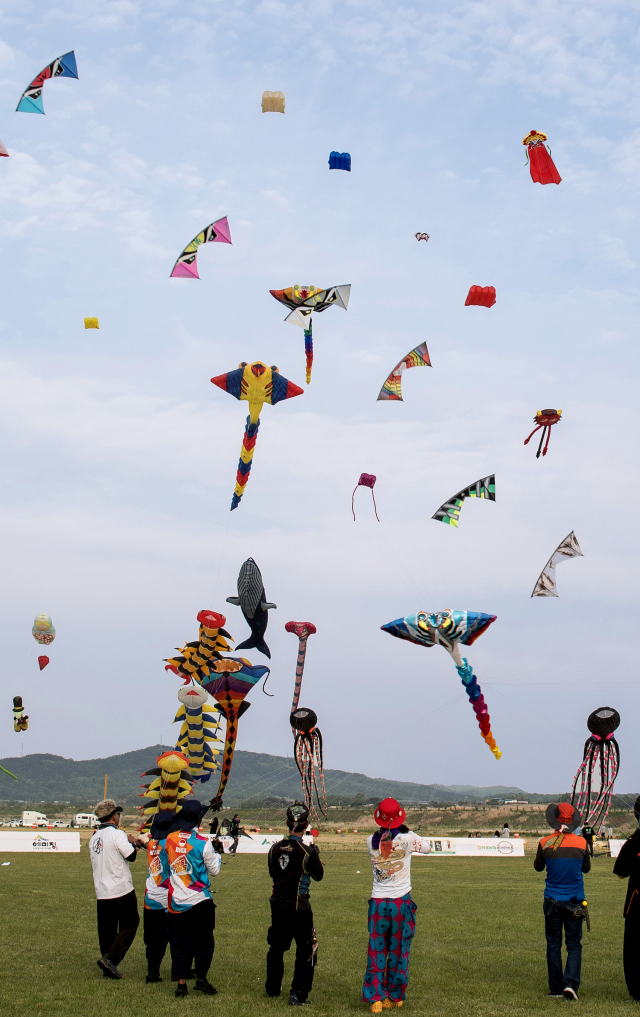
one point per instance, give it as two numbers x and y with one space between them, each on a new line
631 954
589 841
558 915
191 939
288 924
156 938
118 921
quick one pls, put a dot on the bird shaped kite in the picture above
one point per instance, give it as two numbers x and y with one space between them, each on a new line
544 419
450 511
392 388
366 480
481 296
31 99
303 301
546 581
450 629
186 267
543 170
20 719
257 384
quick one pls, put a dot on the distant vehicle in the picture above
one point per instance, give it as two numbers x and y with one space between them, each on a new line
86 819
34 819
59 824
515 801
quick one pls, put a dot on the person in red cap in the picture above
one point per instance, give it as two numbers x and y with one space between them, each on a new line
566 858
392 913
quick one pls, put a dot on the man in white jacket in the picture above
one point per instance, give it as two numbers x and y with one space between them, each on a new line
111 850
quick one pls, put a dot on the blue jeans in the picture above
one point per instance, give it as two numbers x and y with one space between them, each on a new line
558 914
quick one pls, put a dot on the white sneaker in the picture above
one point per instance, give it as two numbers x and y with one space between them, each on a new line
570 993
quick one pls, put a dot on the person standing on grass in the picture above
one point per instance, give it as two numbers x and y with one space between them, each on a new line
566 858
156 895
235 833
392 913
627 865
111 850
191 912
292 866
587 833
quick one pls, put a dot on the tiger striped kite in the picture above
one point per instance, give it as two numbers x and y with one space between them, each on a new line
418 357
449 512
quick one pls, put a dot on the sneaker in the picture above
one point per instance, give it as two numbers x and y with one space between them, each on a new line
570 993
273 995
109 969
153 978
181 990
376 1007
202 985
295 1000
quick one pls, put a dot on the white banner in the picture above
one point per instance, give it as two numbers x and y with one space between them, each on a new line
255 843
39 841
614 847
474 847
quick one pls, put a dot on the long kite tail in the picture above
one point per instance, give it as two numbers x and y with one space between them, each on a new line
308 349
476 699
302 652
8 772
246 458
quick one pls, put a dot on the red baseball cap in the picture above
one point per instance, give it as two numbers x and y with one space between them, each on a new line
389 813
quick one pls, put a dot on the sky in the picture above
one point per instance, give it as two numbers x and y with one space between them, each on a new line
118 456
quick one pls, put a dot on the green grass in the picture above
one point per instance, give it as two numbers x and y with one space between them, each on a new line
479 944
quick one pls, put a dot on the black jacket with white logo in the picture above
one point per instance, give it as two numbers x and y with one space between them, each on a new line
292 866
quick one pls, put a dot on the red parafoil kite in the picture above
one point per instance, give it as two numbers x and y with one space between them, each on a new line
43 661
366 480
544 419
483 296
542 166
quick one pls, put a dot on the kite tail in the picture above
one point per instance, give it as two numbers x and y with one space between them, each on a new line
246 458
546 444
476 699
527 440
375 507
321 795
308 349
302 652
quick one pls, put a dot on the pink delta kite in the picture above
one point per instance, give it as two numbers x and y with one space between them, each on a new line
186 266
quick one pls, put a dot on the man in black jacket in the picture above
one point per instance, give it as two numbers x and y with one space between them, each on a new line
628 864
292 866
587 833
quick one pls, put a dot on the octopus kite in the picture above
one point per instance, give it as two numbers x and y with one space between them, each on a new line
544 419
543 170
258 384
450 629
601 761
307 748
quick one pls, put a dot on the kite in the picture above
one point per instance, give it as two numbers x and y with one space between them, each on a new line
43 630
450 629
172 782
450 511
199 731
227 679
366 480
600 748
43 661
9 774
20 720
544 419
482 296
255 607
302 630
303 301
340 160
273 102
91 323
257 384
543 170
422 236
3 151
546 581
308 739
392 388
31 99
186 267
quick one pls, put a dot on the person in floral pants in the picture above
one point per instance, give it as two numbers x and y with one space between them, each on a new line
392 921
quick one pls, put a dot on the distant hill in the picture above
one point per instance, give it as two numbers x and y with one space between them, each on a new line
255 776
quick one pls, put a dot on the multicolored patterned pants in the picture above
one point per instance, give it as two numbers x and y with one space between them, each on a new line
392 923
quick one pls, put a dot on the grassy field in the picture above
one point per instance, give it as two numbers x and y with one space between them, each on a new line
479 944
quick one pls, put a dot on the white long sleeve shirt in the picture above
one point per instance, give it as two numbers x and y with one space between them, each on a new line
392 875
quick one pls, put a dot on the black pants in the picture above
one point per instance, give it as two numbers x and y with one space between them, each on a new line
288 924
191 939
156 939
631 954
118 921
558 914
589 841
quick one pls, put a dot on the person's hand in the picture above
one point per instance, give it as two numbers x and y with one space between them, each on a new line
134 840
